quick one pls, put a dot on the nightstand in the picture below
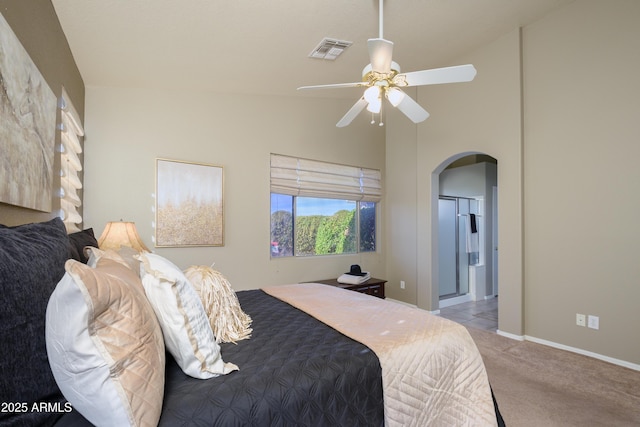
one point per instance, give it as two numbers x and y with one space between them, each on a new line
372 286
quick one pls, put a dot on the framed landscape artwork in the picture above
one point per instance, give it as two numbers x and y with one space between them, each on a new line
27 127
189 204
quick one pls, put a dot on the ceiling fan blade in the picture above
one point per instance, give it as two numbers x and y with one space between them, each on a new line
352 113
333 86
412 109
458 73
380 54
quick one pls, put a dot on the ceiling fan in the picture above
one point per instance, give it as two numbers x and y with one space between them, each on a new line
382 78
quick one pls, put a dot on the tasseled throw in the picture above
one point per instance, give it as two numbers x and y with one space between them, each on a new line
228 322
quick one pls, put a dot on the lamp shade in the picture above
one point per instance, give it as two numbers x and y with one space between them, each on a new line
375 106
371 94
395 96
120 233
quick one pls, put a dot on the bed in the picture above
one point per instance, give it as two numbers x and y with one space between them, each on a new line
308 361
293 371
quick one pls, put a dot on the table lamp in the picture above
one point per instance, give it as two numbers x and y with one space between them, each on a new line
121 233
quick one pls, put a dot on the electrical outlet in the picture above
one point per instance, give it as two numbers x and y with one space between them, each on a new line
401 284
581 319
593 322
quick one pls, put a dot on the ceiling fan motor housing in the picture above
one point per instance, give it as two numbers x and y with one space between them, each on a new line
395 69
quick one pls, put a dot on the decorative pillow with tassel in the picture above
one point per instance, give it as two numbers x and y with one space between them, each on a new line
228 322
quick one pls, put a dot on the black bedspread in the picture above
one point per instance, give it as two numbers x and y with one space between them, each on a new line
294 371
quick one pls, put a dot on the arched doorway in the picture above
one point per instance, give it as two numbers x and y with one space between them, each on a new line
465 201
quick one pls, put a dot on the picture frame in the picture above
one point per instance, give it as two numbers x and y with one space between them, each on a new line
28 128
189 204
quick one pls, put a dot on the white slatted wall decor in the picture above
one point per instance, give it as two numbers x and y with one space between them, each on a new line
70 133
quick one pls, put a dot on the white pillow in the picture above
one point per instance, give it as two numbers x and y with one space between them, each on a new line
125 256
187 333
105 345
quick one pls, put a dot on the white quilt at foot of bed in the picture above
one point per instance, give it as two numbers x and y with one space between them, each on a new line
432 372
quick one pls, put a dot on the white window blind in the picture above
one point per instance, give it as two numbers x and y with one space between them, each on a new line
312 178
70 165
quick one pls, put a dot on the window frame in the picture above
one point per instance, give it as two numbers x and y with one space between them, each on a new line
358 243
299 177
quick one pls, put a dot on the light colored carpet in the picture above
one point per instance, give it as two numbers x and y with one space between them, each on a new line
536 385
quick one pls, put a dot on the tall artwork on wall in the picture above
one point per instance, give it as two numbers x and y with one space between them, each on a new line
27 127
189 204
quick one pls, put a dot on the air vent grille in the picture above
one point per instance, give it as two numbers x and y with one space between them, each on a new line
329 49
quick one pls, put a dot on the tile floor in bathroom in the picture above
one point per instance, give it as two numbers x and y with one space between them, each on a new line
476 314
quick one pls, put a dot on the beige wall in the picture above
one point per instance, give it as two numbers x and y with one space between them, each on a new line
36 26
400 208
567 174
128 129
581 177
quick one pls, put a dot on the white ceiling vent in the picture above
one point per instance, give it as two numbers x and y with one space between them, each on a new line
329 49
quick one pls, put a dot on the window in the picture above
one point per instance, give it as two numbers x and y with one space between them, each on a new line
320 208
304 226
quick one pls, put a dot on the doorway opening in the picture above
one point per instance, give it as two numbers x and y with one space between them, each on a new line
467 253
458 249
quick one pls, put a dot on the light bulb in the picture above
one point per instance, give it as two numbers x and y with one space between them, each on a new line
395 96
371 94
375 106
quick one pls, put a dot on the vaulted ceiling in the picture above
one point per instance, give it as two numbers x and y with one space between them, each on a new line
262 46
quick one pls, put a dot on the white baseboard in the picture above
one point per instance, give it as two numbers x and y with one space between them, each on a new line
612 360
510 335
456 300
618 362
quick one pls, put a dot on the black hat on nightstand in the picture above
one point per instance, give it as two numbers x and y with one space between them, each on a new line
356 271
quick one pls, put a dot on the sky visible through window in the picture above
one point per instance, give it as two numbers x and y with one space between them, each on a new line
310 205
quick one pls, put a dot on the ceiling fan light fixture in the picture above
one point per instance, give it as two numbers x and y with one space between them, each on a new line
395 96
382 76
372 94
375 106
